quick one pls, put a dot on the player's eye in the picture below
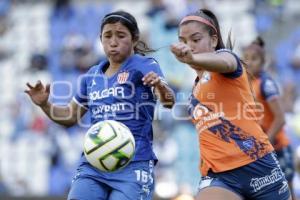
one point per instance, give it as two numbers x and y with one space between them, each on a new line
195 40
182 40
107 36
121 36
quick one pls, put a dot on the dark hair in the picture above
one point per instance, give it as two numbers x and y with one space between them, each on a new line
211 17
130 23
61 3
259 41
259 46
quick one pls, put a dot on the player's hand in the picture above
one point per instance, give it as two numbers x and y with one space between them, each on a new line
38 93
182 52
151 79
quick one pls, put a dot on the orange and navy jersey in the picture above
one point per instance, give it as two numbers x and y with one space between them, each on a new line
265 89
223 110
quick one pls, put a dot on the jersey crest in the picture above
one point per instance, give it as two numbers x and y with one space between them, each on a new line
122 77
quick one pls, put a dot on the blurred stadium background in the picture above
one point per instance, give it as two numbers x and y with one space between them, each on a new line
56 40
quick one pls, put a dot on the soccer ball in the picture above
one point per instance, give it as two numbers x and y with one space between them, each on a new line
109 145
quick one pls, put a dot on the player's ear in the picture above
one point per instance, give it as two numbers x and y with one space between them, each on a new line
214 41
135 41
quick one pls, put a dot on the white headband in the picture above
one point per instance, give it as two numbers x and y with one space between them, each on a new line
119 16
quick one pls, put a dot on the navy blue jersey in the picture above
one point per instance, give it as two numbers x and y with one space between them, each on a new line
123 97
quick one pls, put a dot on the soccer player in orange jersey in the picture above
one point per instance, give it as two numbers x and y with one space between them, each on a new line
267 94
237 160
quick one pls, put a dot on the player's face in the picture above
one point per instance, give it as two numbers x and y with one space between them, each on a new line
253 61
117 42
197 37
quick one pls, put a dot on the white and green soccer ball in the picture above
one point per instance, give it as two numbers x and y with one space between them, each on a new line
109 145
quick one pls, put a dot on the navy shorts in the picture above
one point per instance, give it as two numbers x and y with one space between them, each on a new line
133 182
260 180
285 158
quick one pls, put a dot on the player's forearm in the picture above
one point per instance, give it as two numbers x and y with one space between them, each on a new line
211 62
60 114
165 94
275 127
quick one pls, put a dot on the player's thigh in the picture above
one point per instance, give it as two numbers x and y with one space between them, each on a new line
217 193
135 182
83 188
118 195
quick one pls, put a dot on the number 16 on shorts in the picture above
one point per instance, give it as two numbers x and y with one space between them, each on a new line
143 176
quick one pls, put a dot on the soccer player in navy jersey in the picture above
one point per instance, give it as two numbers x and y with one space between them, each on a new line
124 87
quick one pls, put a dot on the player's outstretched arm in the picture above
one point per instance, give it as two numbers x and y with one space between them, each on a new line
161 89
222 62
64 115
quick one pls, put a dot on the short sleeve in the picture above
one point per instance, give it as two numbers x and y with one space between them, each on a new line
269 89
192 104
81 94
239 70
